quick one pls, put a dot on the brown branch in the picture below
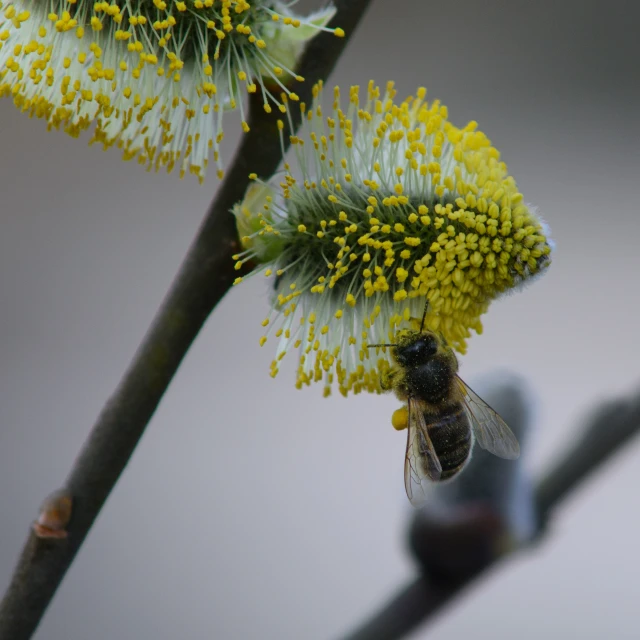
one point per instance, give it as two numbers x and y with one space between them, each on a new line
612 425
203 279
438 540
405 612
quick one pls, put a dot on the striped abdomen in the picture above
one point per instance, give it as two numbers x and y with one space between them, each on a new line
450 434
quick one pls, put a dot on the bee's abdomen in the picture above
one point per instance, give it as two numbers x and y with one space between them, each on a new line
450 433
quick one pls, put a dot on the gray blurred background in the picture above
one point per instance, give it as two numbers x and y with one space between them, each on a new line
251 510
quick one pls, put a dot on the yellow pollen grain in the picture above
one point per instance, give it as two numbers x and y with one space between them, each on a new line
400 419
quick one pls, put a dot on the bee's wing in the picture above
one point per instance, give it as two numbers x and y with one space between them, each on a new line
421 463
490 430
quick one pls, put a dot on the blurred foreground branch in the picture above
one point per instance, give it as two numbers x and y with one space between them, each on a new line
203 279
492 511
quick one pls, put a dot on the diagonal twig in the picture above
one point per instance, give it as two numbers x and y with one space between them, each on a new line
608 430
203 279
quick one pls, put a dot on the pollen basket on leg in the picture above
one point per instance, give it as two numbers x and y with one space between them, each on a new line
389 204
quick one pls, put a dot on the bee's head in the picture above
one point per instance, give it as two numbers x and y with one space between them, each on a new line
414 348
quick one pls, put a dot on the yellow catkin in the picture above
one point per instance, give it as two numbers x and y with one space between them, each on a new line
402 207
150 77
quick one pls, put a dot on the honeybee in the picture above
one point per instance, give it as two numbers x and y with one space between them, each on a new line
443 414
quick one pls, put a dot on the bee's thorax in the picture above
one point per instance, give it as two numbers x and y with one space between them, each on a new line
432 381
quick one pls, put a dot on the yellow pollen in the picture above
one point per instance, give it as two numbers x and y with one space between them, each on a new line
424 211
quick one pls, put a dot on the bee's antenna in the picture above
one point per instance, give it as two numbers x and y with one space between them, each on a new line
424 315
370 346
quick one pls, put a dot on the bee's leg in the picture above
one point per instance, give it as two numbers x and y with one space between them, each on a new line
388 377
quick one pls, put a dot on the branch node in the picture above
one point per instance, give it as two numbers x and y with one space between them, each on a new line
55 514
